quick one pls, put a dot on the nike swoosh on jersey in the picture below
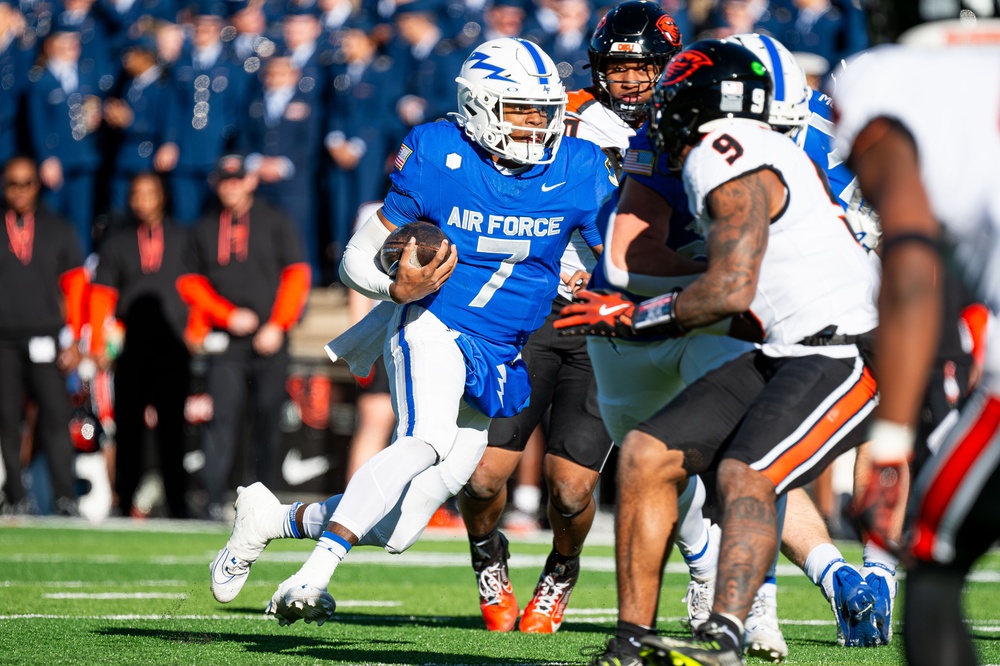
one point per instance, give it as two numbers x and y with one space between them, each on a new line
549 188
605 310
297 470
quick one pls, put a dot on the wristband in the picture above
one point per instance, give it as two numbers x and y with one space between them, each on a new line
658 315
890 442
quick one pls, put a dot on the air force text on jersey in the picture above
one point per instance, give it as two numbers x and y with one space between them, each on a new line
508 225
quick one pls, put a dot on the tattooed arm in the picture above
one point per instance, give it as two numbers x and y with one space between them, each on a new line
741 211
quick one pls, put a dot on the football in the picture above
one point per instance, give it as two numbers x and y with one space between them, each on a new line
429 237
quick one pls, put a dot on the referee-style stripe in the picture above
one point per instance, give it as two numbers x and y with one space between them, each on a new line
537 58
404 346
826 423
954 469
776 71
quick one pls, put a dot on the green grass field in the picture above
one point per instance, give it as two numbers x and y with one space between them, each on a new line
137 593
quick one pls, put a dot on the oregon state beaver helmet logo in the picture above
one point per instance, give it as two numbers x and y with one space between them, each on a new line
683 65
671 32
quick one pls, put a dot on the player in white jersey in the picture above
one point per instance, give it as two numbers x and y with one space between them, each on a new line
806 117
628 52
450 332
922 129
771 419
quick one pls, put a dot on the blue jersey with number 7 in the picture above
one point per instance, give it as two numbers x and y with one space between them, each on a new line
510 229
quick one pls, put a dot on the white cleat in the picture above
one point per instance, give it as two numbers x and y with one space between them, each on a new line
762 636
699 597
231 567
297 599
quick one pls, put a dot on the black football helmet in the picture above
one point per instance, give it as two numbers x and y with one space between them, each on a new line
636 30
710 80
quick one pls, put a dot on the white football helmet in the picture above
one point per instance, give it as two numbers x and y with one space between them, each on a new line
511 71
790 103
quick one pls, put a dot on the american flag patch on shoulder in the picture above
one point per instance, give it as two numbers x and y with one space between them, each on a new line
639 162
401 157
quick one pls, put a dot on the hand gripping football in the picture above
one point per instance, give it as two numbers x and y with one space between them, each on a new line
428 237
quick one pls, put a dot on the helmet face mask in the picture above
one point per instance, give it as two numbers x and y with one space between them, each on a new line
635 31
712 80
505 76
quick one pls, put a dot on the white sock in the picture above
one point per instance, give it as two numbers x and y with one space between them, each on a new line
378 484
330 551
883 563
700 552
317 516
769 590
527 498
820 564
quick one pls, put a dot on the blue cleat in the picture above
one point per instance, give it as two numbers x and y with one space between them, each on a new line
854 606
883 606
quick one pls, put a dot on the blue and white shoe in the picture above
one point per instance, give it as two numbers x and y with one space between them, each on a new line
884 587
854 606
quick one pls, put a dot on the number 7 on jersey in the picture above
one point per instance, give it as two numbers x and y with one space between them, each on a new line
516 251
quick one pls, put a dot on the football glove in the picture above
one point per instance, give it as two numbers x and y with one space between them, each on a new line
600 312
874 511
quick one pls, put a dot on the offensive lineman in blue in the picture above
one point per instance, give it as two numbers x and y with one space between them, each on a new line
508 190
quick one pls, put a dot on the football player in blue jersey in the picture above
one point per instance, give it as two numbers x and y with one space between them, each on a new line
508 190
628 51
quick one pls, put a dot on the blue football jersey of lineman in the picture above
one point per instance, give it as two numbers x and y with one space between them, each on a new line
646 166
818 144
510 230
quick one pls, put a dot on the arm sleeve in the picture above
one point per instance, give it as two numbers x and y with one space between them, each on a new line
197 292
292 293
103 300
358 269
73 284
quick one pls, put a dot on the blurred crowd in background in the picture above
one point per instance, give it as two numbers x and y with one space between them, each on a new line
318 93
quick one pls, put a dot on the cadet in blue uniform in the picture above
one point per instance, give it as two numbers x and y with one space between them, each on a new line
508 190
300 33
428 57
139 116
64 115
207 100
14 56
281 137
366 86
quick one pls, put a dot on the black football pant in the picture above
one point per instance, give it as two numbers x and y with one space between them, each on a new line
233 376
42 382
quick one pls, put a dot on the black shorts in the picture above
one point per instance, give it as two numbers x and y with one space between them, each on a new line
787 417
561 379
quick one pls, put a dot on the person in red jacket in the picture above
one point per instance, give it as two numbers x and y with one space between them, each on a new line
44 284
250 284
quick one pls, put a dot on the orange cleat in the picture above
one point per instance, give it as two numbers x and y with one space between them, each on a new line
496 594
544 613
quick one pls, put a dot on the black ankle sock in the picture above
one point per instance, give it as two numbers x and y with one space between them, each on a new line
561 564
629 634
485 548
729 636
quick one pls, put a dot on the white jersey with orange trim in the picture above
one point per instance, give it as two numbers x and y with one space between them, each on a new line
588 119
814 274
949 102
